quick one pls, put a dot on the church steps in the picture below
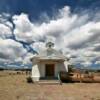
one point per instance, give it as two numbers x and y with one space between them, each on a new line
49 82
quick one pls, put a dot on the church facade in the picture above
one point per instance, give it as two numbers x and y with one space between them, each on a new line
48 63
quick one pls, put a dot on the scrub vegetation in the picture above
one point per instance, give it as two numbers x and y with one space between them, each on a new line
14 86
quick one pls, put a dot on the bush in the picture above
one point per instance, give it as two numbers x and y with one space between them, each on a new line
29 80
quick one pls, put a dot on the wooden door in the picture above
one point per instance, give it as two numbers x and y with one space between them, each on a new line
49 69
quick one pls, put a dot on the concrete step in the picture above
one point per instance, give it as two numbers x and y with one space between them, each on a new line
49 82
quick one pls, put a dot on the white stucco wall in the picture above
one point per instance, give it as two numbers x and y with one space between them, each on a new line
35 72
38 69
61 66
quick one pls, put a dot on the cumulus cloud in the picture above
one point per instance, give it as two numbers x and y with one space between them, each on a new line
97 62
5 31
75 34
11 50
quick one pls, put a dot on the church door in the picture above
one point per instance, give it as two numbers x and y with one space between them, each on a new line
49 70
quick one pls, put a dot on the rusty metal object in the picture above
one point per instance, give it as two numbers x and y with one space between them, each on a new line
79 77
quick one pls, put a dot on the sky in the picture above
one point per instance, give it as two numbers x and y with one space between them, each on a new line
26 25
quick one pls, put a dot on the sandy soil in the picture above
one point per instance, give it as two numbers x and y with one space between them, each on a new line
15 87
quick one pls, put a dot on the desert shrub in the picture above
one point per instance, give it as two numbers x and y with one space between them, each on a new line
10 73
18 72
86 72
29 80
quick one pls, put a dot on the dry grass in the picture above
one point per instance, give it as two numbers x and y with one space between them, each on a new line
14 87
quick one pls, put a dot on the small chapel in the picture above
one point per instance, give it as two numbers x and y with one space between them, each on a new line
48 63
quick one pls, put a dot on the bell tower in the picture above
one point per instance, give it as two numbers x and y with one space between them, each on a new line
49 44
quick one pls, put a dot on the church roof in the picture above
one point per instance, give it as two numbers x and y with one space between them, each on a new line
50 54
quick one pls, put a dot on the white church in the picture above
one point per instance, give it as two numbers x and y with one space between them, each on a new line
48 63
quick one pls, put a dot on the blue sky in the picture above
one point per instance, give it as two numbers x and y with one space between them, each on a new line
25 26
35 7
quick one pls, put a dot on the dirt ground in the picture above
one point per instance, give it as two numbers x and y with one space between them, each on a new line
15 87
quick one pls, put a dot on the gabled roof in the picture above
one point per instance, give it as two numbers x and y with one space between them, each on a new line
50 54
